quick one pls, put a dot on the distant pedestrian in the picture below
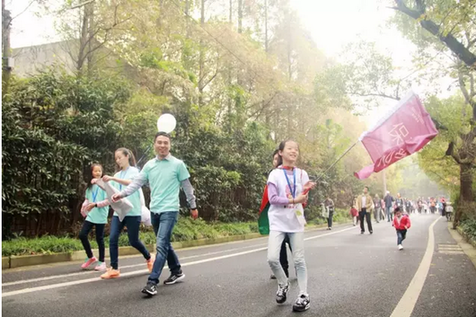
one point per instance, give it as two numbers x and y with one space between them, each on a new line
401 223
408 206
354 213
399 202
432 205
95 210
286 218
388 206
377 208
364 206
329 205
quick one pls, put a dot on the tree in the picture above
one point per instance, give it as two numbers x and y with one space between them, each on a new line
449 25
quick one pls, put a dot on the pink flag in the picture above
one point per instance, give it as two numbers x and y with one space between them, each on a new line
402 132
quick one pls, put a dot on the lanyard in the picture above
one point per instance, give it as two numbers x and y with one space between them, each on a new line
292 190
121 176
95 193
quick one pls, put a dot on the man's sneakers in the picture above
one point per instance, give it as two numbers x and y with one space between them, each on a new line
281 293
174 278
272 276
111 273
400 247
88 262
150 263
302 303
150 289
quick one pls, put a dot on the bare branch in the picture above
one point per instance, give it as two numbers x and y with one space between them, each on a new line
28 6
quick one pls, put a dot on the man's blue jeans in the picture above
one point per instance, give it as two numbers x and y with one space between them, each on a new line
163 224
389 214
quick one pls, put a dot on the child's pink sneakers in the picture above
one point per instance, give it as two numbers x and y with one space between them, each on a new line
101 266
88 262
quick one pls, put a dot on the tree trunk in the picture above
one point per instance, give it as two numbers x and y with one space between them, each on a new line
466 190
83 40
91 30
266 26
6 24
240 16
201 57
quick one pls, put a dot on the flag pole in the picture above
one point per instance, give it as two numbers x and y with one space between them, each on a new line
336 161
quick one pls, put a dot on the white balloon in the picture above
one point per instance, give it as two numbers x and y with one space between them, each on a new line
166 123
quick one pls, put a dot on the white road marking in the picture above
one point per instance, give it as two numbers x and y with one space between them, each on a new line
46 278
139 272
408 301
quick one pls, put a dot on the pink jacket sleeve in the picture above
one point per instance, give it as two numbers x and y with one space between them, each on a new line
83 206
103 203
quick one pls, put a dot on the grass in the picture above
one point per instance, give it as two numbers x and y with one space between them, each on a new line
186 229
340 216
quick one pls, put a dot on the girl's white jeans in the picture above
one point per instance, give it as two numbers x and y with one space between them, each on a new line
296 240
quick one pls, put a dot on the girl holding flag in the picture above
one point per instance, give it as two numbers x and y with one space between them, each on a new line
287 191
263 223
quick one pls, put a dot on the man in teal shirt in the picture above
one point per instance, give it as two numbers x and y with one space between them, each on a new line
165 175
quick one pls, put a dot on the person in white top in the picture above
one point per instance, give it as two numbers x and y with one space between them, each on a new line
287 191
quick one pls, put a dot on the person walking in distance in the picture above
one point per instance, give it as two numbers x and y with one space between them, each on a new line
388 206
399 202
377 208
329 205
354 213
165 174
364 206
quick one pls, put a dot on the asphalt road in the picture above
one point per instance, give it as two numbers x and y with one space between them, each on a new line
349 275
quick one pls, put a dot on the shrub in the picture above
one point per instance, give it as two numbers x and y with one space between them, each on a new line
469 227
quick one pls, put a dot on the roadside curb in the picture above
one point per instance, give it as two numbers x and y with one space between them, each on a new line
16 261
469 248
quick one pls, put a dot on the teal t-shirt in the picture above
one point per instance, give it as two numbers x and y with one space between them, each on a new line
95 194
164 177
129 173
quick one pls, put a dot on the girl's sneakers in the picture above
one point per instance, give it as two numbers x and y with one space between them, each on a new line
303 302
101 266
111 273
88 262
150 263
281 293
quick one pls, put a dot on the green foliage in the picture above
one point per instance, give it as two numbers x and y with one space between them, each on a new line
43 245
186 229
54 126
469 227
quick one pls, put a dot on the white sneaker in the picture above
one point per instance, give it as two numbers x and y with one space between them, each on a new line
400 247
